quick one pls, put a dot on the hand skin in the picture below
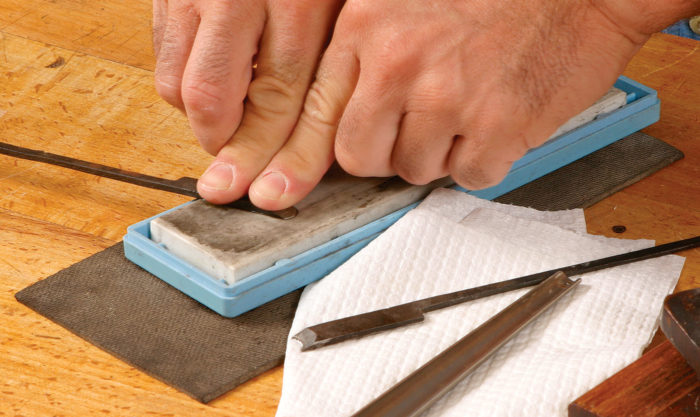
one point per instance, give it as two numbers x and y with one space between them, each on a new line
420 89
205 55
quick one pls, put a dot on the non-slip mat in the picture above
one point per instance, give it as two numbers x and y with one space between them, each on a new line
128 312
598 175
143 321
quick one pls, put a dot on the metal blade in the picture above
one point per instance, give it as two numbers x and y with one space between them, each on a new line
419 390
389 318
185 185
375 321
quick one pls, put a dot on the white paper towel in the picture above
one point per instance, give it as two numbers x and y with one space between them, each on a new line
456 205
587 336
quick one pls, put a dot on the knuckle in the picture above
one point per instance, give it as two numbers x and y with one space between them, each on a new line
346 156
433 96
414 177
409 164
393 50
269 96
244 148
356 162
202 99
357 13
318 107
168 88
412 173
346 152
473 175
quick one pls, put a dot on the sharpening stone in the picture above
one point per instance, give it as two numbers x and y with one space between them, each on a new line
612 100
230 244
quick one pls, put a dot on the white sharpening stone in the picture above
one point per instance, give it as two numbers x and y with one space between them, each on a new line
612 100
231 244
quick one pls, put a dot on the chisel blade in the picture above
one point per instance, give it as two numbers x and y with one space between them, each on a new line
392 317
362 324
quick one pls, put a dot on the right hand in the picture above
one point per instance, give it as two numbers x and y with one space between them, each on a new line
205 55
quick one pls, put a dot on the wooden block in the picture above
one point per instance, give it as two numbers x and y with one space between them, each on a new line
660 383
230 244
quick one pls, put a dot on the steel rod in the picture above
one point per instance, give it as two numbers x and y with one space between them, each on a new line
184 186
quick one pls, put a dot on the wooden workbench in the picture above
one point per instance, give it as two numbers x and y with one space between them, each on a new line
76 79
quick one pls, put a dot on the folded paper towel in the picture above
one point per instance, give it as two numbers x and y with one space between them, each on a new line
598 329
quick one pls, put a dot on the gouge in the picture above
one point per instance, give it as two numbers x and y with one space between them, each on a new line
185 185
415 393
389 318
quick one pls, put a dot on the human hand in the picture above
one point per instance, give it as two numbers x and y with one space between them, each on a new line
426 89
205 51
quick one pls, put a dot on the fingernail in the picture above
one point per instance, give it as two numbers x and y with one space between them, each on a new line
271 186
219 176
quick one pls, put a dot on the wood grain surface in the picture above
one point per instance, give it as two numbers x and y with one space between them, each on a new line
76 79
659 384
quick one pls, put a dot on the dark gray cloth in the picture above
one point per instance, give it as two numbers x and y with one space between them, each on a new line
143 321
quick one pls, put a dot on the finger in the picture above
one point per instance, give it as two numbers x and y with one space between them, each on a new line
369 127
299 165
219 69
422 150
290 46
173 50
160 14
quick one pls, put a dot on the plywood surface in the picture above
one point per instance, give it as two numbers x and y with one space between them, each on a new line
96 102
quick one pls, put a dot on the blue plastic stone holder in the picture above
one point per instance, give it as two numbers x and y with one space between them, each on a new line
287 275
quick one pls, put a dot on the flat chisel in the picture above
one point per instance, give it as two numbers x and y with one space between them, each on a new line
413 312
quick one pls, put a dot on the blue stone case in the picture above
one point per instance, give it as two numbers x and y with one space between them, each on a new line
230 300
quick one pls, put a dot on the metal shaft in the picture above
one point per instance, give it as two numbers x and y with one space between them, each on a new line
446 300
335 331
185 185
415 393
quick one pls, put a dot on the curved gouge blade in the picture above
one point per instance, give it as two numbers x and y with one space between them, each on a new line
419 390
392 317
